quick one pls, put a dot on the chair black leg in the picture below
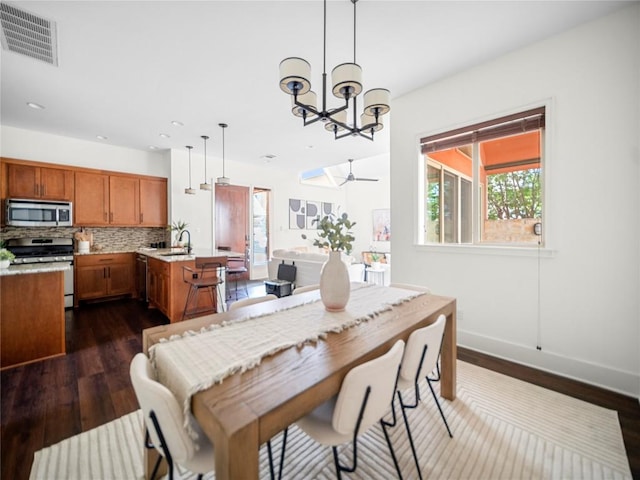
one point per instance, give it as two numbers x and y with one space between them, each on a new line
435 397
337 462
403 408
269 451
393 454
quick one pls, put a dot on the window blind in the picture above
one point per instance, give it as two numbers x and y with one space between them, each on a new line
514 124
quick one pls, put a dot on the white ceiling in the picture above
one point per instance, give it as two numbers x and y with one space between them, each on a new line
127 69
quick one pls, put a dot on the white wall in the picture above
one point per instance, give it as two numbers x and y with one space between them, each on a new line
44 147
198 212
589 276
362 199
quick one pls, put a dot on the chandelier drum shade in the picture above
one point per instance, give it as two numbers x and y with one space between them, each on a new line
346 84
223 180
189 190
205 185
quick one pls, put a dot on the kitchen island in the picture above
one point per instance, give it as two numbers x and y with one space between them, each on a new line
32 325
167 290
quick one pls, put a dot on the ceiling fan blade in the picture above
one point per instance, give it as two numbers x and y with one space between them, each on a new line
366 179
345 181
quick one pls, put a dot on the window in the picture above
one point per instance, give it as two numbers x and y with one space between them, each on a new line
490 172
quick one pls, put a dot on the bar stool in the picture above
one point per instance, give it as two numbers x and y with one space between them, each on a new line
204 276
236 269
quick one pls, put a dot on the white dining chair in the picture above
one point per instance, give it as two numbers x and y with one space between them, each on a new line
251 301
306 288
365 396
421 359
164 420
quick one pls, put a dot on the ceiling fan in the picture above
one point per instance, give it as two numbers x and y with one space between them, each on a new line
352 178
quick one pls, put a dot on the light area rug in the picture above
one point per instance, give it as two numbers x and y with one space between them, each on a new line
503 429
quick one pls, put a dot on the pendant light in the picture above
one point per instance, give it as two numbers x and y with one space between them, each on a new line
223 181
205 185
190 191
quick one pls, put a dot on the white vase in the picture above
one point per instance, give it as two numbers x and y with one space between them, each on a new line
335 287
5 263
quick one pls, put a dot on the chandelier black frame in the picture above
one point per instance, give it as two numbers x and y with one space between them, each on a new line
347 84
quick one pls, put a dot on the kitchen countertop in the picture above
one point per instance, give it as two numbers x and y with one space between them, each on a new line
27 268
172 255
168 254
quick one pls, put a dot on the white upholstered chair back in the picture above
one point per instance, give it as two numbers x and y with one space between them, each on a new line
251 301
196 455
431 336
306 288
380 374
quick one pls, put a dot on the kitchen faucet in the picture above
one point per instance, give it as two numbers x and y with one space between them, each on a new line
188 241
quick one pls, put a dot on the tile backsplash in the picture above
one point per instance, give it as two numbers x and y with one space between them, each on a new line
109 238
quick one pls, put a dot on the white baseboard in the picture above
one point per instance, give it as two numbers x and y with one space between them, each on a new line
626 383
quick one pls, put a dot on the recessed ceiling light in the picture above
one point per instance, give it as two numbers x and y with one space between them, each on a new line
177 123
37 106
101 137
152 147
164 135
309 147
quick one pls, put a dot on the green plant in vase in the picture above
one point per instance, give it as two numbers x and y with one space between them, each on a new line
178 227
6 256
334 233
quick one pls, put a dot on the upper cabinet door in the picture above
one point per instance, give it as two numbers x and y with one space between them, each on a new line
56 184
124 200
91 206
153 202
26 181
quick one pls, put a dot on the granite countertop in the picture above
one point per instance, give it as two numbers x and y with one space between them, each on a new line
179 255
167 254
27 268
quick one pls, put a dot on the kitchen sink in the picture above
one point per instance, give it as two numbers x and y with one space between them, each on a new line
171 254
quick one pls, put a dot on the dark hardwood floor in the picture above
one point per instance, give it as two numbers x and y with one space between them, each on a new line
48 401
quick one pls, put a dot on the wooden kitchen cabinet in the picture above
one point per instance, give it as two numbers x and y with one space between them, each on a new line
124 200
34 182
91 206
103 275
159 273
32 324
167 289
120 200
153 202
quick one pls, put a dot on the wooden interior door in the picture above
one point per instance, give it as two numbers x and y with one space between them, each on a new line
232 219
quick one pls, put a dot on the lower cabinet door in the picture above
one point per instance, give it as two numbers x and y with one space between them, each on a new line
91 282
120 279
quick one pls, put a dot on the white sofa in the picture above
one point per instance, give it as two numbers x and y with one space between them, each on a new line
309 265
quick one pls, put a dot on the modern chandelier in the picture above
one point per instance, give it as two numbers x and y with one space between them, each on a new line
295 74
205 185
222 181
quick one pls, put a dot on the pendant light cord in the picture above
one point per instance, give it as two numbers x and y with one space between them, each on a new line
189 166
324 40
354 30
223 152
204 137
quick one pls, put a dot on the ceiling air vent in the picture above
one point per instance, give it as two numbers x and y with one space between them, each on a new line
28 34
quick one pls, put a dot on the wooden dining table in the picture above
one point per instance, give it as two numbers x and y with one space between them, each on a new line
247 409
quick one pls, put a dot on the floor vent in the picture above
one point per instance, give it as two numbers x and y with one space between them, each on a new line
28 34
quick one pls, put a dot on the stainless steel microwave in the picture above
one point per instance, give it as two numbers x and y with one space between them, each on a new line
38 213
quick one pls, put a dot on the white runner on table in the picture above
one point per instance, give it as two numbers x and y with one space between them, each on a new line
194 361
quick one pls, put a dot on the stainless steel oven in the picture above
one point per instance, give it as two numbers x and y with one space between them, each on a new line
38 213
46 250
